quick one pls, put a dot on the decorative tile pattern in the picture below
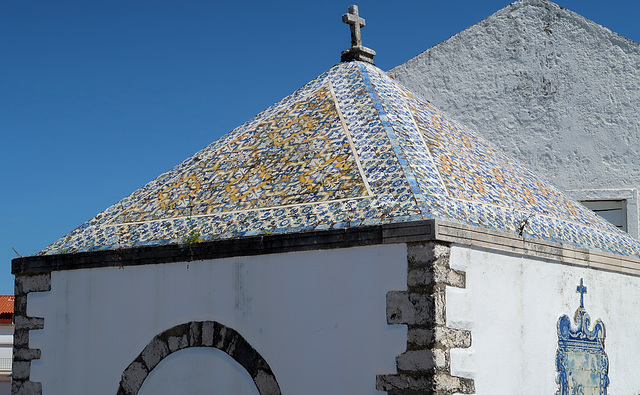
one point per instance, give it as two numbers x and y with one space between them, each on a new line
462 178
581 361
352 147
301 154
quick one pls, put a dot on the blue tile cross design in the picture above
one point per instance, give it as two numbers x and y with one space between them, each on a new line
581 361
582 290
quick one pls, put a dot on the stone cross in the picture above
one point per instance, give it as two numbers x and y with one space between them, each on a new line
582 290
353 19
357 50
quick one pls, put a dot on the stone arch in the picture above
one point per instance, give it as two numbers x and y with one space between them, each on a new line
198 334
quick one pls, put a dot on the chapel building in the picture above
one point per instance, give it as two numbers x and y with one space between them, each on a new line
350 239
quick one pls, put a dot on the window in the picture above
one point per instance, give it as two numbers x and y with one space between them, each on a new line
614 211
618 206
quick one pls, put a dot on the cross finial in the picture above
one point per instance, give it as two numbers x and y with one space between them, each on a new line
353 19
582 290
357 50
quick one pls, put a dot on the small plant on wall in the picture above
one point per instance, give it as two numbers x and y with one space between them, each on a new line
193 236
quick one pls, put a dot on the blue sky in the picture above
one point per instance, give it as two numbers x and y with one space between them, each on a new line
98 98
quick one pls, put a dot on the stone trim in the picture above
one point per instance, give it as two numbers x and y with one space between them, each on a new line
512 243
405 232
22 354
227 248
198 334
425 368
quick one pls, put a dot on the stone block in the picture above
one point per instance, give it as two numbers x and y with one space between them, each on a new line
20 338
177 330
195 334
246 356
416 308
410 309
19 387
453 338
415 361
33 283
219 336
21 370
429 275
133 377
154 352
266 383
429 264
16 386
207 333
20 304
420 337
448 384
441 359
26 354
421 254
176 343
439 301
440 335
230 345
452 278
399 383
225 339
420 276
28 323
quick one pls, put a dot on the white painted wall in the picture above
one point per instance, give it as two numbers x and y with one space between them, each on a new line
174 375
511 304
5 387
6 351
6 341
318 318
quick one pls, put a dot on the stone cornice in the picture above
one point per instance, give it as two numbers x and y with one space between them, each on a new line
405 232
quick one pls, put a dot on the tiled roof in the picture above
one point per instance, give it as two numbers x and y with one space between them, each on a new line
6 304
350 148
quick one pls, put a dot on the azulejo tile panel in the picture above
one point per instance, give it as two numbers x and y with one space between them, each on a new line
581 361
350 148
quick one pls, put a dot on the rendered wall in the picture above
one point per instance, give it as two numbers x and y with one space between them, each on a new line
318 318
6 353
557 92
6 341
5 387
512 304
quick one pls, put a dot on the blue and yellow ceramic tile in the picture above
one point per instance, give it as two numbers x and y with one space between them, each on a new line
350 148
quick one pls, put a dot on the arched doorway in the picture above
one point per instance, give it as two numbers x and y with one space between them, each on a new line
198 334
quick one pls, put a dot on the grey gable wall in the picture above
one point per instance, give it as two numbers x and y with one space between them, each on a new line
556 91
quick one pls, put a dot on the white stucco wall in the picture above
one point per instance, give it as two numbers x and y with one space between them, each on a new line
5 386
318 318
557 92
174 375
512 304
6 341
6 353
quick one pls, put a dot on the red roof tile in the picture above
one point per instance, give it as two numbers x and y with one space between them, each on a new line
6 304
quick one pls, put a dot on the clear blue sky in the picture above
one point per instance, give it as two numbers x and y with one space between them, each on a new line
98 98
